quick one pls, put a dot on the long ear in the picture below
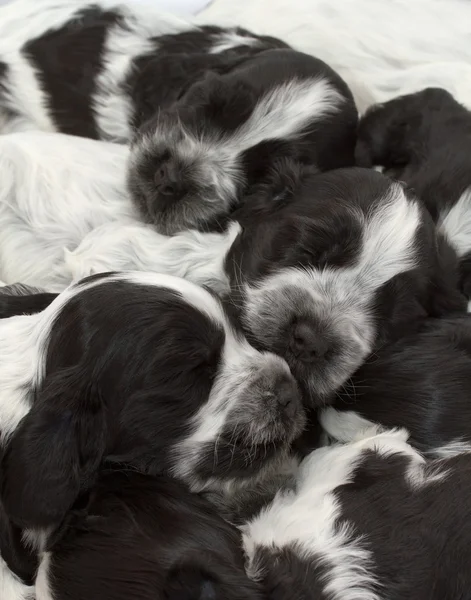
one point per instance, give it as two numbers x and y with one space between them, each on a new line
54 454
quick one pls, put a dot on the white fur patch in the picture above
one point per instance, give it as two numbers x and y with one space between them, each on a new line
12 588
452 449
456 224
65 214
126 41
346 426
305 519
232 39
361 43
43 590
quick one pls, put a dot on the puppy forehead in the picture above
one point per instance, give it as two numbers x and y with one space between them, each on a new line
389 226
194 295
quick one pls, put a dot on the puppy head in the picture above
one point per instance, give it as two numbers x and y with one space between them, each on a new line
146 538
144 370
185 169
333 274
404 129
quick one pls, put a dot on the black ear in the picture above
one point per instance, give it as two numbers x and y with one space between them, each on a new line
54 454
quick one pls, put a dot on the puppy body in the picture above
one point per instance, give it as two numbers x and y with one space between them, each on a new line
424 139
100 69
145 538
367 520
421 383
81 381
190 165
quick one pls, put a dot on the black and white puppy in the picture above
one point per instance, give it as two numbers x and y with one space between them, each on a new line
190 165
324 268
137 369
424 139
100 69
349 262
143 538
422 383
369 520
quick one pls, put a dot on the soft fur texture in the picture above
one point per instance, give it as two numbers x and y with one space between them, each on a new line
142 370
145 539
323 268
191 164
424 139
100 69
217 104
381 48
421 383
369 520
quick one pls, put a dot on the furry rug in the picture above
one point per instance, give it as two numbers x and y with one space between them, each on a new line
382 48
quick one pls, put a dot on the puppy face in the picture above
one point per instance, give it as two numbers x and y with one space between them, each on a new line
181 174
144 370
190 165
322 282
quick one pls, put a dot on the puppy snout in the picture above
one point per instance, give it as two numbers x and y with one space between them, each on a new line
307 343
288 397
167 181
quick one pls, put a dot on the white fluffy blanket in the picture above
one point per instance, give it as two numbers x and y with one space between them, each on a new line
381 47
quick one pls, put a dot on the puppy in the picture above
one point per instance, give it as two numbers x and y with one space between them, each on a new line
99 69
424 139
368 520
322 268
143 538
137 369
422 383
191 164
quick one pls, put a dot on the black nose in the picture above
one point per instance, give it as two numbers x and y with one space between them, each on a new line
165 180
307 343
288 398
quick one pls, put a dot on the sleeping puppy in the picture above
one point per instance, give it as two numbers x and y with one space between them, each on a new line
422 383
143 538
367 521
424 139
137 369
191 164
100 69
322 268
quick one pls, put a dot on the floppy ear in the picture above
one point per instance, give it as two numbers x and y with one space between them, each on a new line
54 454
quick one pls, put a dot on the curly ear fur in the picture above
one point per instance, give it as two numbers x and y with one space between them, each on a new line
54 454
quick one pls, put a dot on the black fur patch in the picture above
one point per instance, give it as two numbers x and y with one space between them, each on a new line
68 61
146 538
422 383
